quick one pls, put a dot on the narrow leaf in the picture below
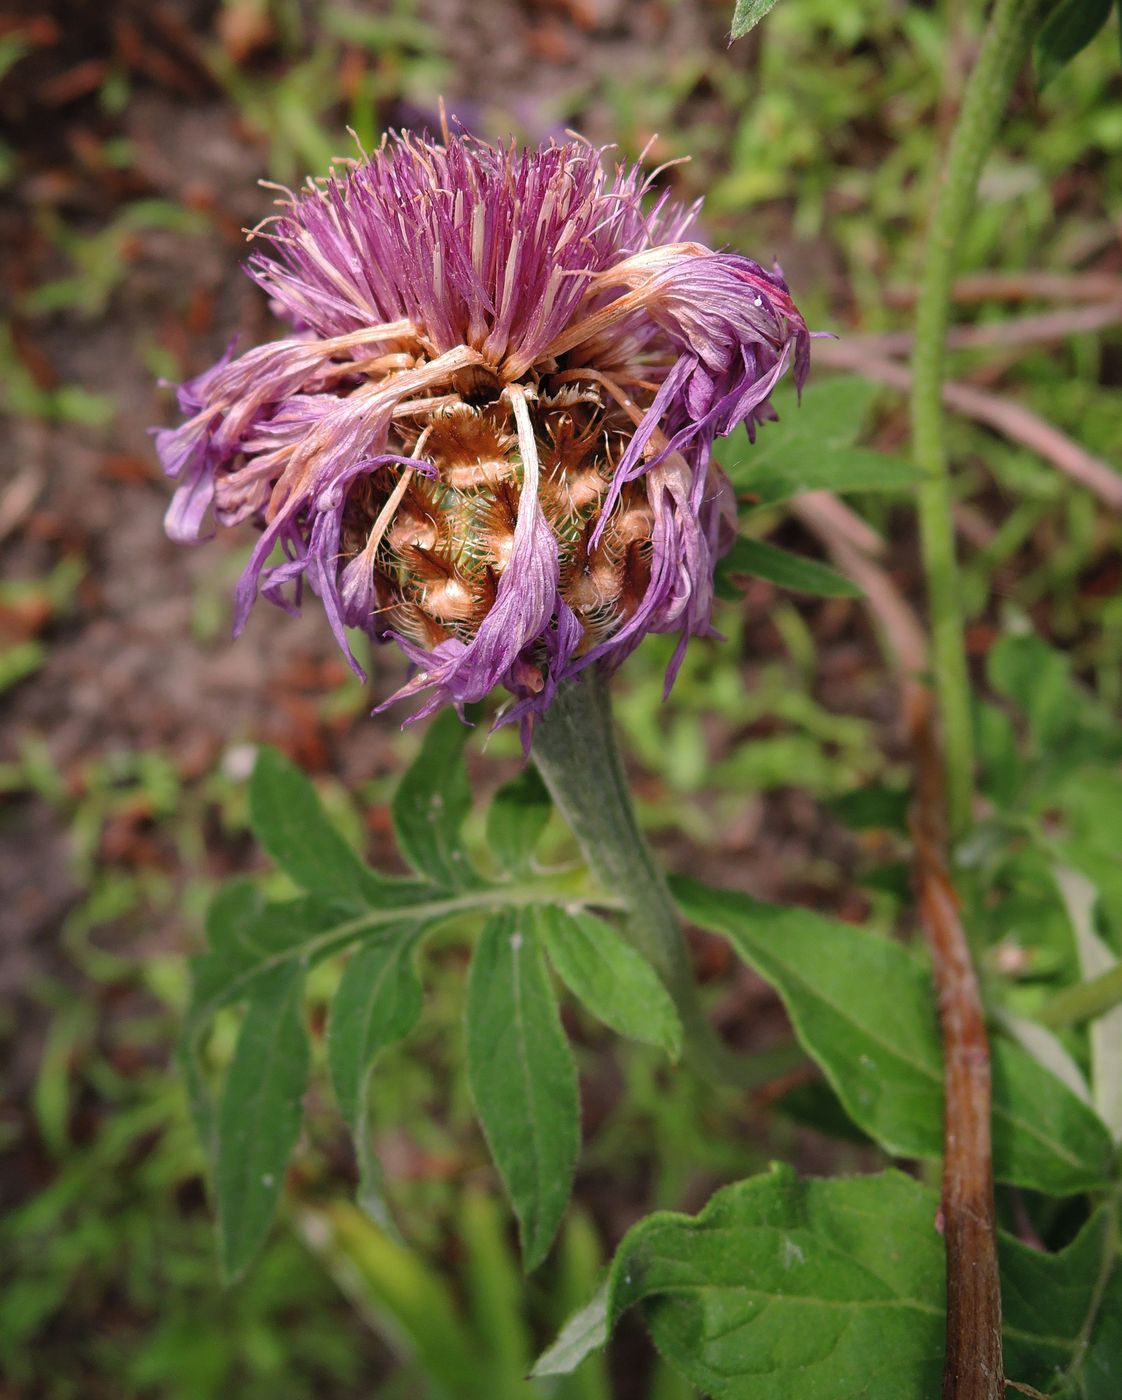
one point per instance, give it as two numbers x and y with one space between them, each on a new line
1065 33
585 1332
580 1267
289 820
864 1009
522 1078
495 1293
1044 1045
234 906
431 802
1095 958
748 14
259 1118
807 468
377 1003
405 1294
779 566
516 819
610 978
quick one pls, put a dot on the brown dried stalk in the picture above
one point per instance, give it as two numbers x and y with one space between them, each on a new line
1022 286
973 1363
972 1368
1019 332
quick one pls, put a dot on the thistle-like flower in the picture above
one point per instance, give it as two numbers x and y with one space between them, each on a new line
488 436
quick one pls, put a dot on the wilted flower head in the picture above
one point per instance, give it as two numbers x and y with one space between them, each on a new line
488 436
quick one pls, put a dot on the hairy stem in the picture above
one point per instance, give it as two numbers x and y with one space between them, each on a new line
987 94
575 752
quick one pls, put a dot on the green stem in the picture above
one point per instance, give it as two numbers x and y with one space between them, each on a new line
984 102
575 752
1084 1001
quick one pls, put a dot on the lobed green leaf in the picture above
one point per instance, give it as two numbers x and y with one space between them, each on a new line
827 417
1062 1313
248 937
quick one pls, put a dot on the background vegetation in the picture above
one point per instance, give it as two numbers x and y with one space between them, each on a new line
132 138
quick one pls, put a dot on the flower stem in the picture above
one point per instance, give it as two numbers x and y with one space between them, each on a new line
576 753
987 93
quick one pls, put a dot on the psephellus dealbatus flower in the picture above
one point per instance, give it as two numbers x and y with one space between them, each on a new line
488 435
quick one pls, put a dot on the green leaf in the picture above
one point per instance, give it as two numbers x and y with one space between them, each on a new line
1063 1312
871 808
841 470
580 1267
259 1119
1065 33
288 819
827 418
585 1332
748 14
1037 679
522 1077
431 802
609 977
797 1290
787 570
864 1009
248 937
1095 958
494 1290
377 1004
1044 1045
818 1290
516 819
405 1293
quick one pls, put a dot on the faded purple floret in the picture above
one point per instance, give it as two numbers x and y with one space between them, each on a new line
488 435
